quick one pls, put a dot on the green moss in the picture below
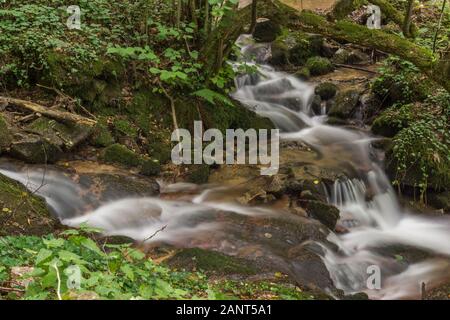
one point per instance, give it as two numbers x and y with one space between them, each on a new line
211 261
28 213
199 174
124 127
326 90
392 120
319 66
150 167
120 154
5 136
303 73
102 137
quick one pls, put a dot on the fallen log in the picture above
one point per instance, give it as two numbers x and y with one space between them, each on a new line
62 116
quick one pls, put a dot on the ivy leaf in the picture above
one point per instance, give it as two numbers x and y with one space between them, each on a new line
42 256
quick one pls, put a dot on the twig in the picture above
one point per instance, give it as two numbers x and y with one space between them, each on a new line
58 289
155 233
5 289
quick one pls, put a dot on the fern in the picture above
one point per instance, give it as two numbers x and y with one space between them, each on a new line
212 96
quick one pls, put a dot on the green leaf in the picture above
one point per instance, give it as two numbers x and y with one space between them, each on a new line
91 245
42 256
211 96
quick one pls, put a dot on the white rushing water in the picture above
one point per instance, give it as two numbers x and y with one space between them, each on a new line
373 223
368 205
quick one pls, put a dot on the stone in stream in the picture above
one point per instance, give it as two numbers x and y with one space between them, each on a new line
326 90
345 104
325 213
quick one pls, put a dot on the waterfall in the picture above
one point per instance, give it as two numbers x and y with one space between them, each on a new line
368 205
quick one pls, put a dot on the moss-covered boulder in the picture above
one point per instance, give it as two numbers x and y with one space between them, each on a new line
119 154
393 120
150 167
326 90
199 174
303 74
280 54
345 104
319 66
266 31
35 149
21 212
325 213
64 135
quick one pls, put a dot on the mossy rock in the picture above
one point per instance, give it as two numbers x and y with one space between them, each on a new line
35 149
266 31
303 74
326 90
21 212
119 154
393 120
280 54
319 66
161 151
123 127
211 262
325 213
101 136
64 135
5 136
345 104
150 167
199 174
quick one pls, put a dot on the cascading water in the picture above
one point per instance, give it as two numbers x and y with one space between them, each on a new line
185 214
374 223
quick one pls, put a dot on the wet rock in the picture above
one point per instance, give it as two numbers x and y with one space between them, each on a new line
280 54
319 66
316 104
345 104
266 31
370 106
35 149
325 213
440 201
326 90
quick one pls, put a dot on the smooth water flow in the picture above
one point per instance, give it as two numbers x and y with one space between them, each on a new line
187 214
373 223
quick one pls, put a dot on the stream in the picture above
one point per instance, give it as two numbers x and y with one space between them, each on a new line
187 215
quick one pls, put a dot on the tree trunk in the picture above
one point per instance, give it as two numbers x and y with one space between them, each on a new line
254 16
408 17
439 25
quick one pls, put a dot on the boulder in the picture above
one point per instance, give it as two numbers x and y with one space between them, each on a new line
345 104
319 66
266 31
35 149
440 201
325 213
66 136
119 154
326 90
